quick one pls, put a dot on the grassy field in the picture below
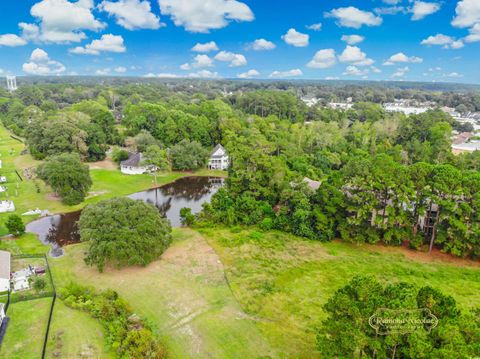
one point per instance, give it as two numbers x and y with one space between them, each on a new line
284 281
184 295
26 329
74 334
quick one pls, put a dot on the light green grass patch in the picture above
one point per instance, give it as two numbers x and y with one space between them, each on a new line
184 296
26 329
284 281
74 334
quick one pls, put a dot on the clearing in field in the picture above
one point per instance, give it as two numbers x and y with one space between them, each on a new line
184 295
284 281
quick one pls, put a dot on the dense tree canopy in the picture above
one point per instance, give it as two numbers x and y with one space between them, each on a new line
68 177
188 155
347 333
123 232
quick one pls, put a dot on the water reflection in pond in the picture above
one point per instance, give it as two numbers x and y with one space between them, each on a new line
61 229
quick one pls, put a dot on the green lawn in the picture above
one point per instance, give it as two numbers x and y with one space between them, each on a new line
26 329
284 281
184 295
74 334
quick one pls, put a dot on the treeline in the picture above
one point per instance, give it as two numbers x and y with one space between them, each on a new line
381 178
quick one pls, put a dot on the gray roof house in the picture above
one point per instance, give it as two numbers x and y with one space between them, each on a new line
134 166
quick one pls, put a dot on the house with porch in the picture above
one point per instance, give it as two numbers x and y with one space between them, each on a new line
219 159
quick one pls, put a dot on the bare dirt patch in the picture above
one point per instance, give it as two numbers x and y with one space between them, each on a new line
106 164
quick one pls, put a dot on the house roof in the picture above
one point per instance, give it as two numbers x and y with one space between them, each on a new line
4 265
217 147
134 160
312 184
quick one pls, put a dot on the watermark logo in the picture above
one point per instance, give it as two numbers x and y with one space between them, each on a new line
402 321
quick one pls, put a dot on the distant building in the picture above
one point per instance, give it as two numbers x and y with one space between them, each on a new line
466 147
340 105
11 83
314 185
219 159
4 271
134 166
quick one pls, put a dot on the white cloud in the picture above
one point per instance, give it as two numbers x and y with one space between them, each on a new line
41 64
355 71
103 72
353 17
248 74
132 14
353 39
161 75
390 10
121 69
295 38
206 47
421 9
289 73
392 2
12 40
204 74
447 42
315 27
474 35
235 60
375 70
323 59
107 43
199 61
262 44
454 74
401 57
355 56
61 21
400 72
205 15
467 13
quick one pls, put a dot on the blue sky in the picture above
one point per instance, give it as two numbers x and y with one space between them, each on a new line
429 40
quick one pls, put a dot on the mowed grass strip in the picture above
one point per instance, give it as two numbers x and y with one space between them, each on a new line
26 330
74 334
184 296
284 281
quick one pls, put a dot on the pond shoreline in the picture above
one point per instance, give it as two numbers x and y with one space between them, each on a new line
59 230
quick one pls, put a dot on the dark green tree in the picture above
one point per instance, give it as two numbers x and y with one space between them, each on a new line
68 177
15 225
123 232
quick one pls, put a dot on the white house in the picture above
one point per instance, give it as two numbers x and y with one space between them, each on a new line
4 271
219 159
6 206
134 165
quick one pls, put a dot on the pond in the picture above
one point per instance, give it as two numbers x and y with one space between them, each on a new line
61 229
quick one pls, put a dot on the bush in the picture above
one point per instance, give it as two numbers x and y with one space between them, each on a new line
119 155
187 217
15 225
39 284
128 334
